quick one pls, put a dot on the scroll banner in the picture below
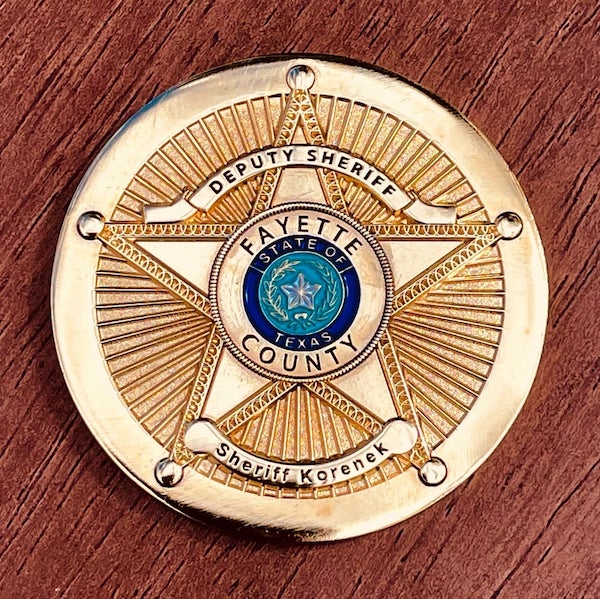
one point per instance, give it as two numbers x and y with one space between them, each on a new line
299 155
396 437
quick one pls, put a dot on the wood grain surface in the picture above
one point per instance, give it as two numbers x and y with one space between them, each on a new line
526 525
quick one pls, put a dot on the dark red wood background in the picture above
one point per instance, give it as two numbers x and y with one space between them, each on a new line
526 525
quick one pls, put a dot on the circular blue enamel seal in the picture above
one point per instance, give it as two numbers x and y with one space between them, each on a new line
306 297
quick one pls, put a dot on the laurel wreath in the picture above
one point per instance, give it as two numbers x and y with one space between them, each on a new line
270 288
331 296
319 314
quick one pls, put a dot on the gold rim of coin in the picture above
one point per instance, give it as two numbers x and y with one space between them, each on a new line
299 294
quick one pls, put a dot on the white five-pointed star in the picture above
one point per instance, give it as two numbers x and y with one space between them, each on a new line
301 293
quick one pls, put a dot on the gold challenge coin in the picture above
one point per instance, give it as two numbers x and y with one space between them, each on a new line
301 295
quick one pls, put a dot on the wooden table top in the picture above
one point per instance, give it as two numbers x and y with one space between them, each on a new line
525 525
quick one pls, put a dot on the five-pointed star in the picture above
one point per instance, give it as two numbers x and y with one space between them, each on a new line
300 293
184 278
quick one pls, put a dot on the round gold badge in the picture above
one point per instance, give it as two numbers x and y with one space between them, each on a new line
300 294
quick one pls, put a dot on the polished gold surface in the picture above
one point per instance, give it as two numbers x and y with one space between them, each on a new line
439 356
